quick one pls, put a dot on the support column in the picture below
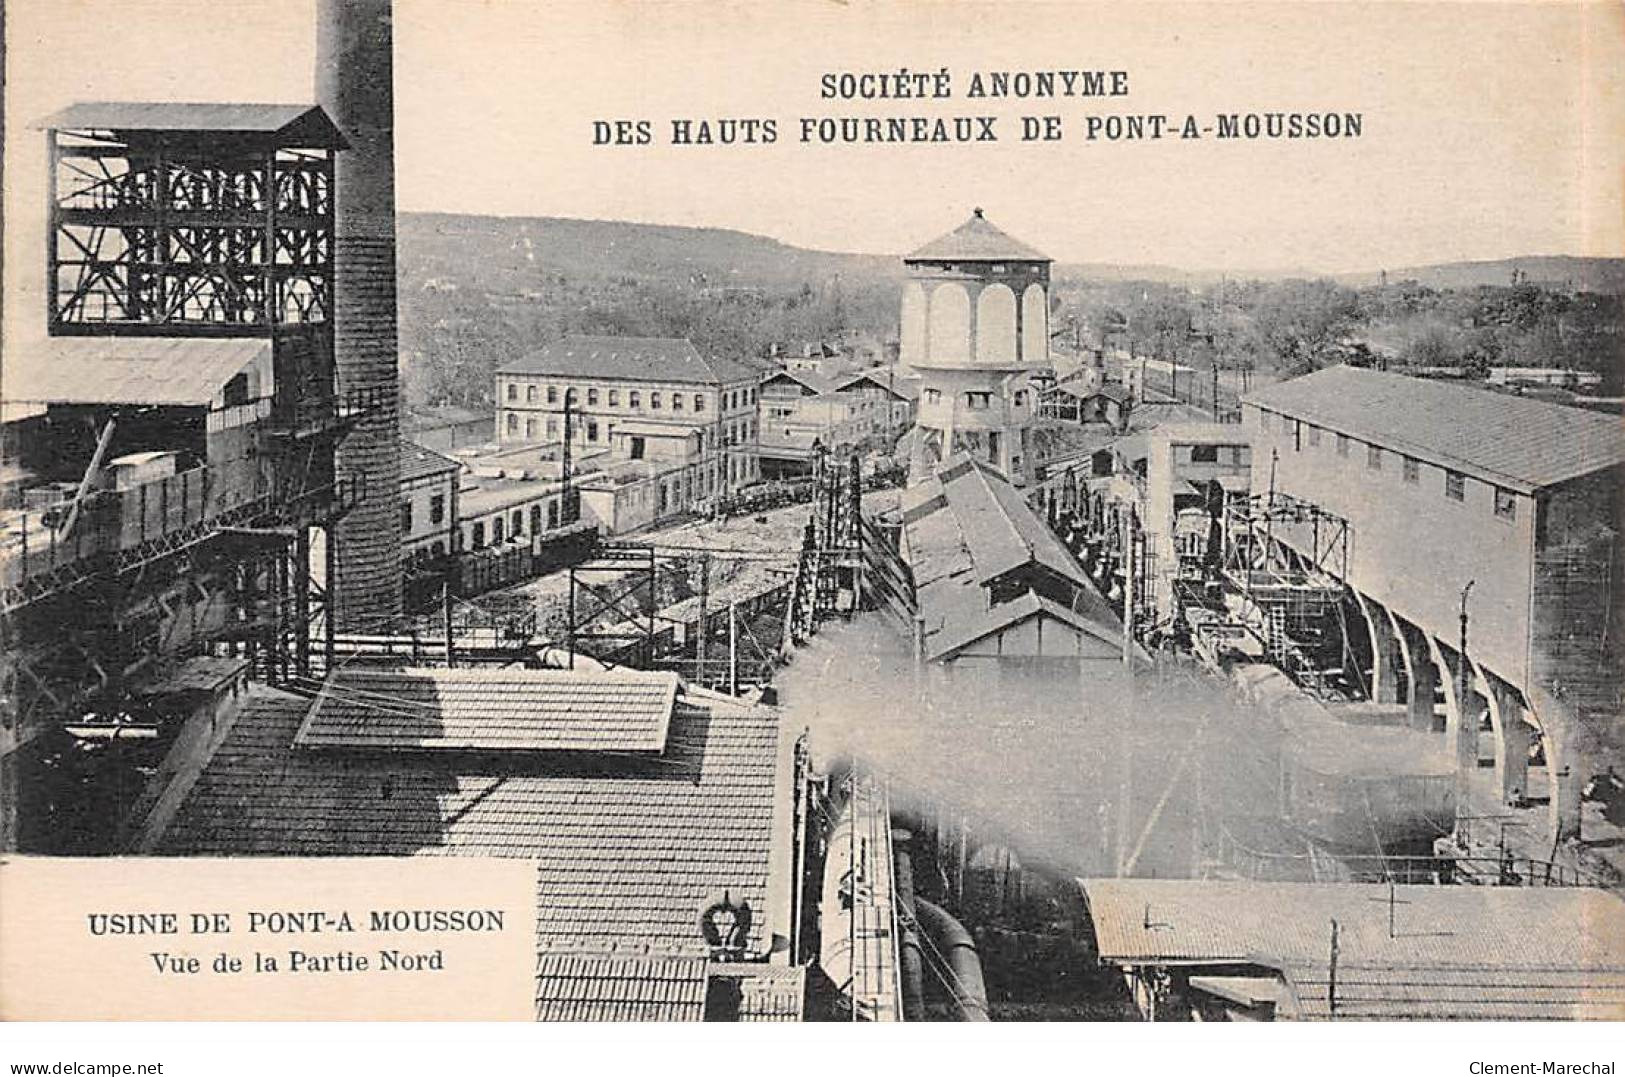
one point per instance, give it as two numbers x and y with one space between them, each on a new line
1421 674
1512 736
1558 723
1386 658
1461 715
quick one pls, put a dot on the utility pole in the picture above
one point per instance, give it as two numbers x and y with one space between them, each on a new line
733 649
705 595
1331 976
1467 722
445 617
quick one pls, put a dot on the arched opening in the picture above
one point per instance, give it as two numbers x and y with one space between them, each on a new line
950 325
1035 324
912 334
996 325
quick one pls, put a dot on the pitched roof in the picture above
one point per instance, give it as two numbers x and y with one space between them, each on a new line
899 385
491 710
958 632
997 525
1506 440
666 359
295 125
811 380
629 849
418 462
173 371
977 240
1464 952
640 985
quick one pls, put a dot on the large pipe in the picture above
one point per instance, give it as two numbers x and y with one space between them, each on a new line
355 84
910 956
958 950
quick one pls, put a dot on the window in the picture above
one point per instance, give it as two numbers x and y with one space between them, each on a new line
978 401
496 530
1342 445
1412 469
1373 457
1455 485
592 429
437 508
750 396
513 391
699 402
614 398
530 429
654 401
513 423
479 536
933 396
677 402
1204 454
1506 504
1021 397
592 397
552 514
634 399
530 394
1314 435
552 394
235 394
535 518
406 517
1297 436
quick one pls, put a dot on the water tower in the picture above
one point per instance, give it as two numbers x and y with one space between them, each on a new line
975 324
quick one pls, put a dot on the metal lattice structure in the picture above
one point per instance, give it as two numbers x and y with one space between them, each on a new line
196 220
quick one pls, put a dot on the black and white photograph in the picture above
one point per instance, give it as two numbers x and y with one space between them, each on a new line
885 513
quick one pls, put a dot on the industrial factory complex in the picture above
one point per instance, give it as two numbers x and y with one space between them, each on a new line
1311 699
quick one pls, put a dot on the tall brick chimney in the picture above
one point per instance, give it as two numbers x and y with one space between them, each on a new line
355 84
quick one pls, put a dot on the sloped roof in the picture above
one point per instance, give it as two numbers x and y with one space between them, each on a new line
418 462
1461 952
642 984
899 385
977 240
998 527
1506 440
491 710
960 632
666 359
629 849
816 383
291 125
173 371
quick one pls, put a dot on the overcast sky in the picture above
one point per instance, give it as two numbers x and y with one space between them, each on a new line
1488 130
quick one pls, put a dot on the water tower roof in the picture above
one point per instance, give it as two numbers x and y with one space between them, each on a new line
977 240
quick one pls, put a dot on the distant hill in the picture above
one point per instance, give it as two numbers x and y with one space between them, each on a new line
1584 274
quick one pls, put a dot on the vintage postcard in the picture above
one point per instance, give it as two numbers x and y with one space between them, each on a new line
884 512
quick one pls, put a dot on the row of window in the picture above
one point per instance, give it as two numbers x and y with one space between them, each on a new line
437 512
1410 470
975 401
734 398
515 525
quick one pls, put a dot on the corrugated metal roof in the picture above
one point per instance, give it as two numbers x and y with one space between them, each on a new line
291 125
664 359
1507 440
629 849
642 985
1457 952
172 371
418 462
492 710
977 240
997 525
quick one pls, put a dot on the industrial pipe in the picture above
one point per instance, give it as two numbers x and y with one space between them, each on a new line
958 951
910 956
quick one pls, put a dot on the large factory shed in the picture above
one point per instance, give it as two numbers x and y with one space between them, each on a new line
1208 949
644 803
990 579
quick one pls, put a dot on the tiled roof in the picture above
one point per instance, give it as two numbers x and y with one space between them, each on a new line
615 985
1502 439
418 462
967 527
1464 952
977 240
629 849
663 359
491 710
174 371
765 992
281 125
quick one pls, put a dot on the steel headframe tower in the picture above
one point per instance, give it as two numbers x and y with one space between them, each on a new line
355 84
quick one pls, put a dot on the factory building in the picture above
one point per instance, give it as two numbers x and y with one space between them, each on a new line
975 325
662 819
172 441
1467 513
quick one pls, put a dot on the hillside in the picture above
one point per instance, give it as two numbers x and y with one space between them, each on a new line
1562 271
